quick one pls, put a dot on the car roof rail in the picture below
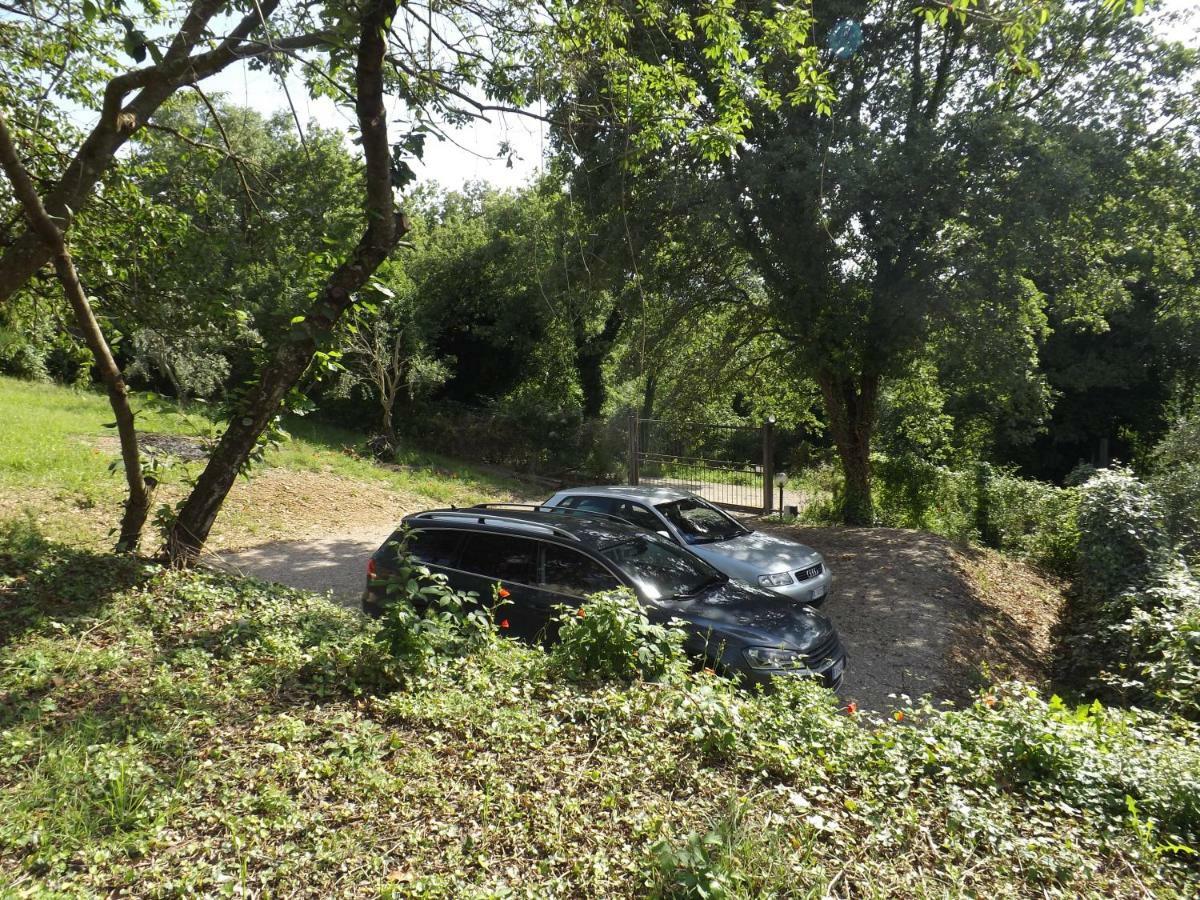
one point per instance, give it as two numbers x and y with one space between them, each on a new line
466 515
558 511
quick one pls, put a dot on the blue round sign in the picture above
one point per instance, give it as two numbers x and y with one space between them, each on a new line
844 38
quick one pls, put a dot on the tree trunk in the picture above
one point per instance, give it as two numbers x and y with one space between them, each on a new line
141 489
389 426
850 403
590 354
384 229
649 395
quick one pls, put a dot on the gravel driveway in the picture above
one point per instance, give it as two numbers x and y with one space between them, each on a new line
896 598
334 564
904 602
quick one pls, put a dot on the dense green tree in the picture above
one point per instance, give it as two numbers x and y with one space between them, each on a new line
244 214
446 65
860 218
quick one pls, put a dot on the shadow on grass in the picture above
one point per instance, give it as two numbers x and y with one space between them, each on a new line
43 582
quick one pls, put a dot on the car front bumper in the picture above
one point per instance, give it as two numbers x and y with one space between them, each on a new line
830 672
814 591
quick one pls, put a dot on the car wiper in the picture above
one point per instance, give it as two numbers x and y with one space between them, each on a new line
702 587
720 537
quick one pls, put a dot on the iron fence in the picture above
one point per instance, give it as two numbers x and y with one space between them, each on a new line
731 465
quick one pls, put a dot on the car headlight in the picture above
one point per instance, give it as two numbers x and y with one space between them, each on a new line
776 579
773 658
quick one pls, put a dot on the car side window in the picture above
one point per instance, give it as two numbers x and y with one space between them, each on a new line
566 571
638 515
435 546
500 556
592 504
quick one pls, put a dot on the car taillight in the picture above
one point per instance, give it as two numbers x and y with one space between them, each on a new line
371 573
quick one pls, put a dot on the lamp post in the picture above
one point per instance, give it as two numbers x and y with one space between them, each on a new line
781 479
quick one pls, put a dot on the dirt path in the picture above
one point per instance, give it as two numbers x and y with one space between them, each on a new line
334 564
917 614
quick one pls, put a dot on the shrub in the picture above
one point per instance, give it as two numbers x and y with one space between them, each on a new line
1028 518
1133 622
1088 757
1176 478
20 357
1162 640
1122 533
712 713
425 619
1019 516
704 866
911 492
609 638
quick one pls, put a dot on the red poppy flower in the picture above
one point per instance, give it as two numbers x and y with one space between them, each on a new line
899 715
851 708
503 593
580 612
989 701
504 623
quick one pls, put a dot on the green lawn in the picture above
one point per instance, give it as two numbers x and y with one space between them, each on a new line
188 734
55 455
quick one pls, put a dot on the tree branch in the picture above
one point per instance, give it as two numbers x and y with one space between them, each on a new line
137 505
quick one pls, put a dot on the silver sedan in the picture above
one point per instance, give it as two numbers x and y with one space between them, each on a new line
789 568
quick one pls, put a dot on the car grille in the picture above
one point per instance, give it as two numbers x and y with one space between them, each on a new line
828 651
810 572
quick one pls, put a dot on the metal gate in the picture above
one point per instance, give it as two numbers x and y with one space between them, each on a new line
730 465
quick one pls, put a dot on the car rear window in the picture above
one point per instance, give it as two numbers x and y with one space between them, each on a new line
501 557
569 572
630 511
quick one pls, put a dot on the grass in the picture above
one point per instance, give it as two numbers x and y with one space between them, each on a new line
316 446
55 458
166 733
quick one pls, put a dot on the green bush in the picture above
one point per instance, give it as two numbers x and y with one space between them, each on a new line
1132 629
1162 641
1026 518
609 638
1176 478
704 866
911 492
20 358
1087 757
712 712
1122 533
425 619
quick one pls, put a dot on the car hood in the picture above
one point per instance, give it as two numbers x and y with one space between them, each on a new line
752 616
757 553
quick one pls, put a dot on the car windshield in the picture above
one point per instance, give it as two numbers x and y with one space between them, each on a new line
700 522
662 570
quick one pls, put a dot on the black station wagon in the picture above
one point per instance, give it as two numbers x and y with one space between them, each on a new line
545 558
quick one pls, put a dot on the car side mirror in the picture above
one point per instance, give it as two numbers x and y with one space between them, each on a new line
664 533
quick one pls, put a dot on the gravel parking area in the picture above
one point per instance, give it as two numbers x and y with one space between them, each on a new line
918 614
